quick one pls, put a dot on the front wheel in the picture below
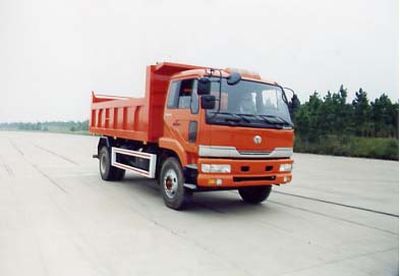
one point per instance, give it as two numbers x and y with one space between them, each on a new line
255 195
171 181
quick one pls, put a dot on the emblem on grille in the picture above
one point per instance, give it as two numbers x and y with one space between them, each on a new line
257 139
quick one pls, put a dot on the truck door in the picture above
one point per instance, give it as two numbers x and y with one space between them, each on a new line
181 114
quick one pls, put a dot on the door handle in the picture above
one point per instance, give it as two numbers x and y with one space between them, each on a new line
176 123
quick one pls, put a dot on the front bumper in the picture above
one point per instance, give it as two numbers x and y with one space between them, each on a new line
243 173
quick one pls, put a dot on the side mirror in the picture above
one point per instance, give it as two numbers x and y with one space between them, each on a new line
204 86
294 105
208 102
294 99
234 78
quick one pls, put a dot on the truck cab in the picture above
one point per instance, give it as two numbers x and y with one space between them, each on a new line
245 139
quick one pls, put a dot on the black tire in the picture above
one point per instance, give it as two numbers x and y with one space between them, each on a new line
255 195
108 172
171 181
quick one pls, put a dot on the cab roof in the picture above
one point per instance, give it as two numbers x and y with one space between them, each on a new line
178 70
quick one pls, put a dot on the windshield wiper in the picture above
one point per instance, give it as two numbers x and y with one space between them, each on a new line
277 117
237 117
243 116
234 117
263 117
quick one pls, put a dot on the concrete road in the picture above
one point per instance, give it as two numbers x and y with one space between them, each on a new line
57 217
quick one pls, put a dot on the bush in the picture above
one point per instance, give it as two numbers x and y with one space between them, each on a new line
369 147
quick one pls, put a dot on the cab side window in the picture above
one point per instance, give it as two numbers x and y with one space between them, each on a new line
183 95
194 105
173 95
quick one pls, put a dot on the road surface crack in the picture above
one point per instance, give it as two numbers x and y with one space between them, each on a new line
338 204
48 178
11 173
57 154
333 217
16 148
8 170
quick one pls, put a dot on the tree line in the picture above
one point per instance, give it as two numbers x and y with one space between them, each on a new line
332 114
333 125
329 124
61 126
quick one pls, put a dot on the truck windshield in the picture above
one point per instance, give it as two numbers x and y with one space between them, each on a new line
248 103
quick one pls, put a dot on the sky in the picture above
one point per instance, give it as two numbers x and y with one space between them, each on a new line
53 53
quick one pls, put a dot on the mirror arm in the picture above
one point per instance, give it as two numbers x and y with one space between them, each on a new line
284 94
290 89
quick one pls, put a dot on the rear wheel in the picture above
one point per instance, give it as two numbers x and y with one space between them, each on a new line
255 195
108 172
171 181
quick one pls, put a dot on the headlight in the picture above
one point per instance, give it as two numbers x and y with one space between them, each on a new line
215 168
285 168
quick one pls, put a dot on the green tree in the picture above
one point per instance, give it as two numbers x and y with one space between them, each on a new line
361 109
385 117
343 112
308 118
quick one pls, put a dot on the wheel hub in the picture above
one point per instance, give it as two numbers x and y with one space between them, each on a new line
170 183
103 164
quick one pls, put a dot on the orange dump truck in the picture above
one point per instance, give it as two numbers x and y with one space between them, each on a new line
197 129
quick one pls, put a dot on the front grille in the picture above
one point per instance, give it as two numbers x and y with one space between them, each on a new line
253 178
254 152
269 168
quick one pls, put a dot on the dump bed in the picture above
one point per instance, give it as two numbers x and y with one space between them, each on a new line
136 118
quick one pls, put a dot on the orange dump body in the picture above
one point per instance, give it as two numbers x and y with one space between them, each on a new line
138 119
